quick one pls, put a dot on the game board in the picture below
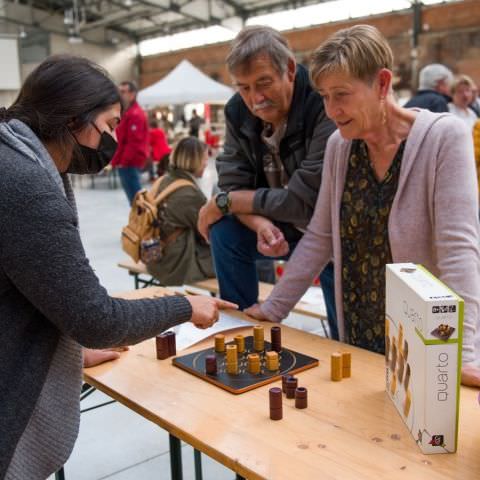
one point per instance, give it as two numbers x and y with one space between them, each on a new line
291 362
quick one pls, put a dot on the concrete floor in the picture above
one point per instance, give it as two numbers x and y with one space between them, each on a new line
114 442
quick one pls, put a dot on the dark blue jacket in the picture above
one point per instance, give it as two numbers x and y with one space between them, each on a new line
429 100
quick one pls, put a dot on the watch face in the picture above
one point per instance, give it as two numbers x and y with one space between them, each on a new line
222 201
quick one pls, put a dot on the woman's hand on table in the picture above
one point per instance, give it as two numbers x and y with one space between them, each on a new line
92 357
470 375
256 312
206 310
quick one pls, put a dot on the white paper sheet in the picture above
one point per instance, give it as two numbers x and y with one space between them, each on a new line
187 334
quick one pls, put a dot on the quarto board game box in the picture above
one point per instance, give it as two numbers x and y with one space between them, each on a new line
423 346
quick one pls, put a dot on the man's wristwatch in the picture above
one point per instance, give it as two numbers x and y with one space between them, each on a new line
223 202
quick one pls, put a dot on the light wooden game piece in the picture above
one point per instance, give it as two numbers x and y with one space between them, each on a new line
387 327
253 363
401 367
393 385
346 364
219 343
400 337
272 361
232 368
258 338
336 368
240 341
232 353
393 360
408 403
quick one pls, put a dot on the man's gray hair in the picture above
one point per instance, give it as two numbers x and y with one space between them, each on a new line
431 74
257 40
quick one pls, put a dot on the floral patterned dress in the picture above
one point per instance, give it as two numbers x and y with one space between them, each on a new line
365 208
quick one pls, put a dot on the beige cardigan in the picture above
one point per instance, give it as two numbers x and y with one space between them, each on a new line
433 219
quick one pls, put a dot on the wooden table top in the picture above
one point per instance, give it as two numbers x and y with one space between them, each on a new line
350 430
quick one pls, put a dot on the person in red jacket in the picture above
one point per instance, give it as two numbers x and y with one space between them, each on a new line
132 134
159 148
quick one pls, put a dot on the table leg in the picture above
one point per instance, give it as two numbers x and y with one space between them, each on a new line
239 477
197 456
60 475
175 458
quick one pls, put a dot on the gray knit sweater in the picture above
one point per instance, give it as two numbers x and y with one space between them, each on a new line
51 301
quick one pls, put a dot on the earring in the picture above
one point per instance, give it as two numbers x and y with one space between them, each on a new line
384 111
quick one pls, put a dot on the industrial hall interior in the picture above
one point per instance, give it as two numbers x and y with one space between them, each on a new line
239 239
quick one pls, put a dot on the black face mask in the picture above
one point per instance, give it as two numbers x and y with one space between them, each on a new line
90 160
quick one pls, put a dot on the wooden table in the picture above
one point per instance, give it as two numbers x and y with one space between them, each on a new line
143 279
350 430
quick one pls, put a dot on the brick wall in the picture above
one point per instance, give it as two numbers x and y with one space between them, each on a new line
451 36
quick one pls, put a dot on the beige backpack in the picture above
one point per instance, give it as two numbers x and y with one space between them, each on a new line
141 237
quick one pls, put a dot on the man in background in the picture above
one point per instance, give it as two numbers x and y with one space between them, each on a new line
132 134
433 92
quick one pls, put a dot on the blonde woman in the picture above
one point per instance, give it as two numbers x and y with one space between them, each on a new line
187 259
398 185
462 97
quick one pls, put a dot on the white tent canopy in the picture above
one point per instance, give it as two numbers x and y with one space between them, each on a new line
184 84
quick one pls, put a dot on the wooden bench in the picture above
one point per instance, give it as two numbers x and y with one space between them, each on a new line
143 279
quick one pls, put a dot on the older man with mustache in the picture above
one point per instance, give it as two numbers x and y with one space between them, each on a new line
271 167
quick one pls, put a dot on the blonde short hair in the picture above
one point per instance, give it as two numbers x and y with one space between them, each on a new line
462 80
188 154
360 51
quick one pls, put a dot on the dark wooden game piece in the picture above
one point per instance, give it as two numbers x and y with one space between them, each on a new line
284 382
406 381
291 385
211 365
275 401
301 397
276 338
172 344
162 346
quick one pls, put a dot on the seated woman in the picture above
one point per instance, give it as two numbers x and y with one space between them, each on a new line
51 302
398 185
187 259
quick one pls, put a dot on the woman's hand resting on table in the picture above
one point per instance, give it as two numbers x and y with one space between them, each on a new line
93 357
256 312
470 375
206 310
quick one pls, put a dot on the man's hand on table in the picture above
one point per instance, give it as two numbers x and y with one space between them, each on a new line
270 239
470 375
208 215
206 310
92 357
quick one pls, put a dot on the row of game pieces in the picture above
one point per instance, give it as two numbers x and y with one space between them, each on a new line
340 366
292 390
253 362
258 340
